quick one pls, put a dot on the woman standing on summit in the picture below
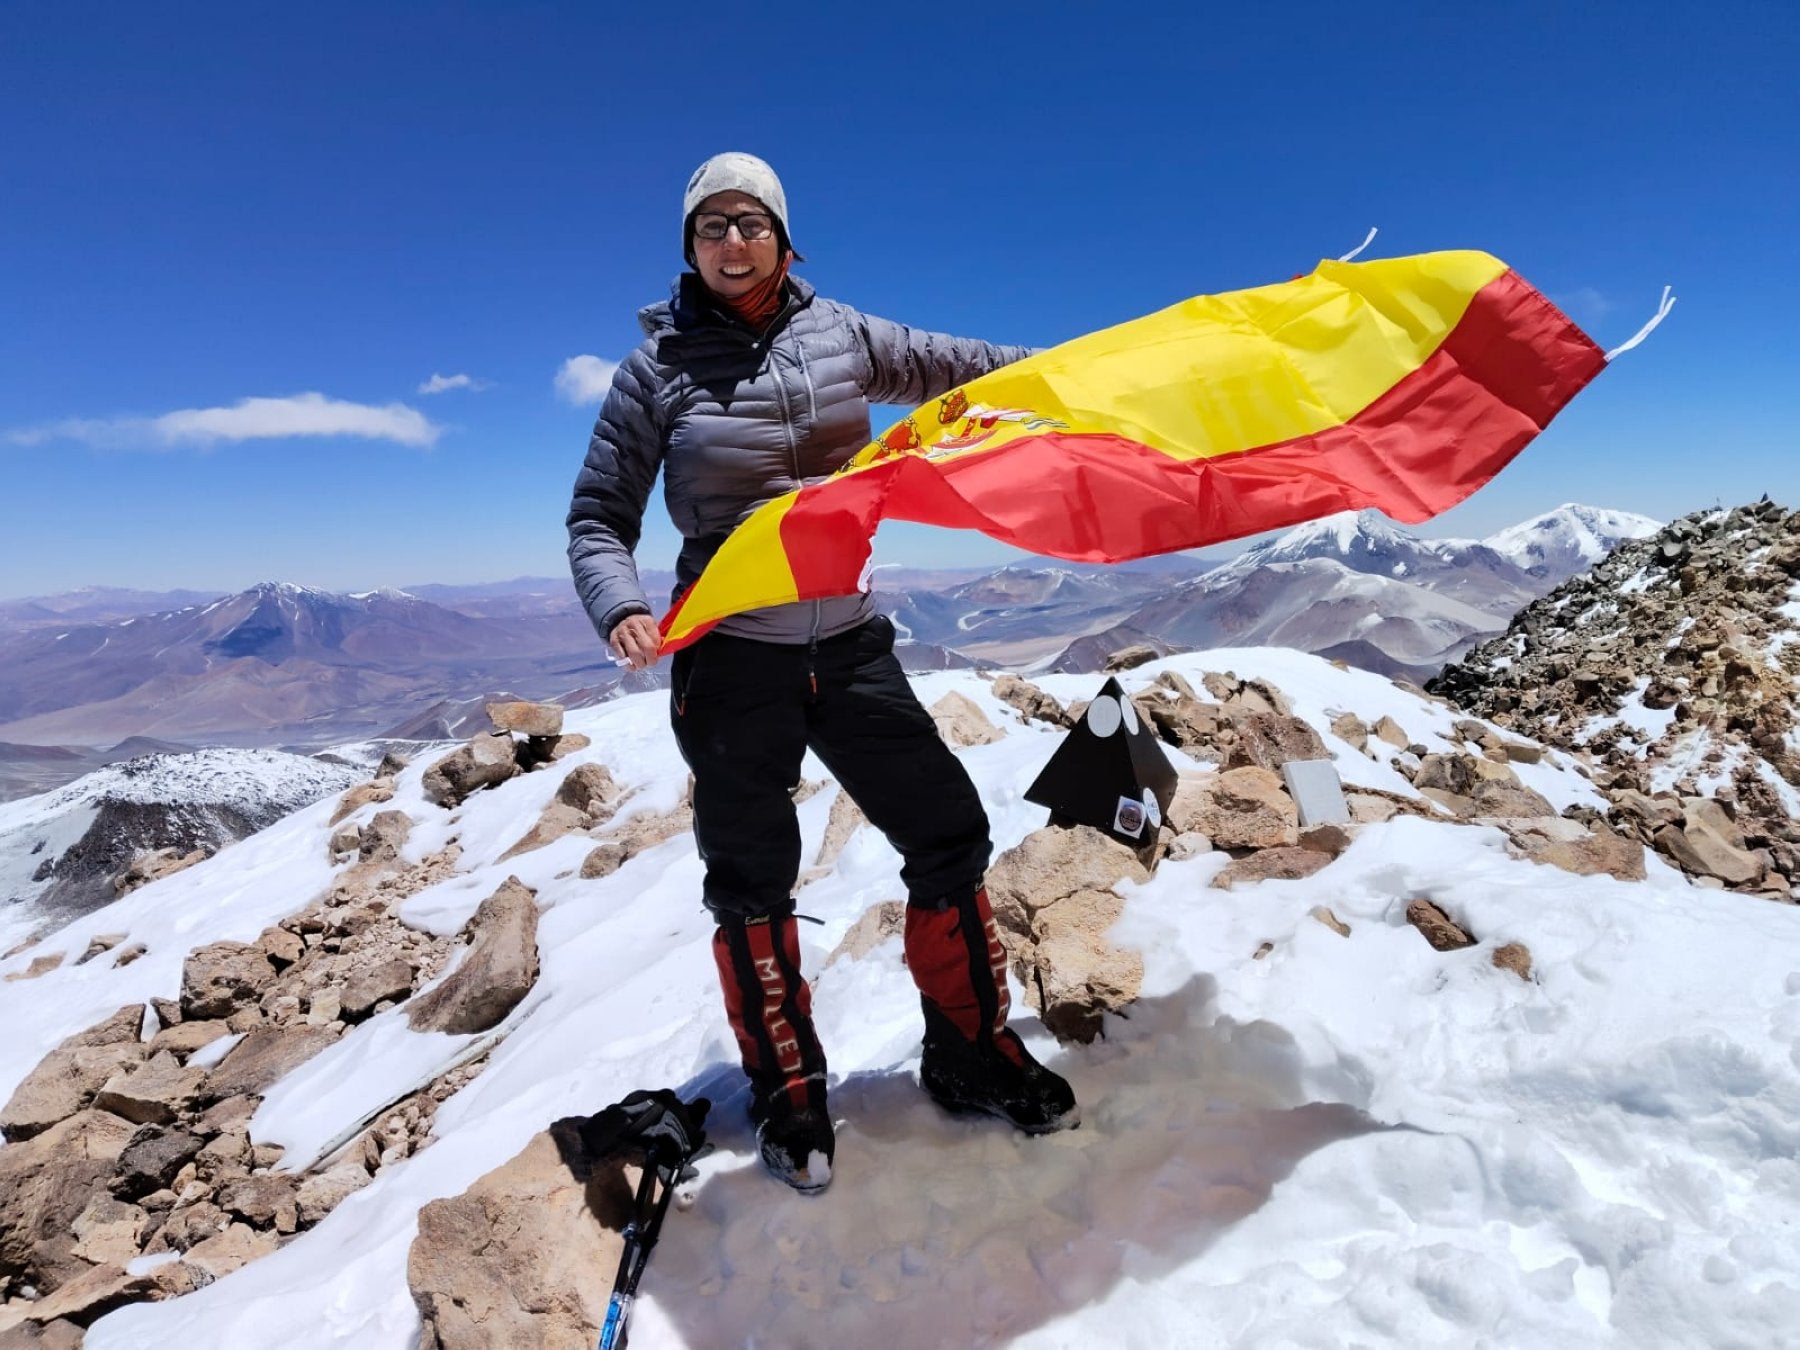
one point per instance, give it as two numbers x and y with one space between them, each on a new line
747 386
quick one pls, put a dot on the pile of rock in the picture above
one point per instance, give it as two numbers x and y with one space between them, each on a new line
132 1138
1672 665
528 736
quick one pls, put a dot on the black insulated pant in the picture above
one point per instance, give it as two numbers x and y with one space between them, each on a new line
745 712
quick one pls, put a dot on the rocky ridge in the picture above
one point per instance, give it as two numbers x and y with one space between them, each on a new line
1674 667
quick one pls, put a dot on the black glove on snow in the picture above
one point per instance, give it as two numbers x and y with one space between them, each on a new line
656 1126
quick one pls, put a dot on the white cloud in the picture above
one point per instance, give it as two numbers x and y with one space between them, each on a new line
439 384
250 419
584 380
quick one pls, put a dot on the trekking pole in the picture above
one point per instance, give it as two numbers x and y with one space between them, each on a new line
640 1236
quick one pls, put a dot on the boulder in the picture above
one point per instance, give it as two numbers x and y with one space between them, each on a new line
1248 808
151 1160
1352 730
219 979
46 1182
590 789
58 1334
1053 862
360 796
1281 863
388 981
1387 729
384 837
1509 801
1269 740
281 947
1588 853
1130 658
152 1093
1072 974
67 1078
483 762
323 1192
109 1230
1516 957
602 861
559 819
1703 854
93 1291
1437 927
528 719
1033 704
264 1201
235 1247
499 970
961 722
522 1257
263 1057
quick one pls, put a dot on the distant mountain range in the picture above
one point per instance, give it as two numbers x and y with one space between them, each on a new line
282 664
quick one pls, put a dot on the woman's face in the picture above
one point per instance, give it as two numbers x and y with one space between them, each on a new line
735 266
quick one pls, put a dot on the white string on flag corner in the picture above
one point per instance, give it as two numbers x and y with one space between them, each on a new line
1367 240
1662 312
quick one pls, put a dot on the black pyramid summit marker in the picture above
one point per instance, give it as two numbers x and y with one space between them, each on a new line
1110 772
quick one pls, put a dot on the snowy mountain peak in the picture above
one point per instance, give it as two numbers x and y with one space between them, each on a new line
1571 537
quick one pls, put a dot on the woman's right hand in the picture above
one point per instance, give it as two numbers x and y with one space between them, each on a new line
636 641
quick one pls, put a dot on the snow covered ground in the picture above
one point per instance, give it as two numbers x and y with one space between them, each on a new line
1350 1141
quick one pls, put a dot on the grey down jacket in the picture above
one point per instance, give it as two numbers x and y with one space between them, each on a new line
734 420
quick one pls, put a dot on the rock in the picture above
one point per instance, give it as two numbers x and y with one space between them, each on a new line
1460 807
1509 801
1518 752
1387 729
151 1160
1269 740
96 1290
154 864
1281 863
483 762
1248 808
46 1182
1130 658
559 819
961 722
1032 703
1331 840
1330 920
152 1093
880 923
1437 927
281 947
57 1334
67 1078
263 1057
388 982
1708 856
1352 730
1199 728
1189 844
1516 957
237 1246
188 1225
218 980
1054 862
845 819
1073 975
498 972
108 1230
324 1007
323 1192
345 840
511 1262
591 790
602 862
360 796
1588 854
100 943
40 965
528 719
264 1201
567 744
384 837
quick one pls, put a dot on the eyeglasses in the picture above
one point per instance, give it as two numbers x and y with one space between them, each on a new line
751 225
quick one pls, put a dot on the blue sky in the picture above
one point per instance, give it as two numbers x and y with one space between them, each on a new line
207 204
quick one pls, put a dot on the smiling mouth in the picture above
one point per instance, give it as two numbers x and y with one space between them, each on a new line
735 272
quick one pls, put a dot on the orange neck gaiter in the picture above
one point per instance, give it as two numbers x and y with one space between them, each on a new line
758 306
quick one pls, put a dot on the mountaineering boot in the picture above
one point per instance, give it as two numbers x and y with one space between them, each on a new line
770 1008
973 1061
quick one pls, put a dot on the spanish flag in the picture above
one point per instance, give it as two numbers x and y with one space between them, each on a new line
1402 384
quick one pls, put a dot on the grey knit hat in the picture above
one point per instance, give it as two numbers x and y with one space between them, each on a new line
733 171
